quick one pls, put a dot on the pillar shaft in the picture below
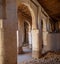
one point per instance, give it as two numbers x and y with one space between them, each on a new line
10 38
19 42
1 42
36 45
30 39
20 34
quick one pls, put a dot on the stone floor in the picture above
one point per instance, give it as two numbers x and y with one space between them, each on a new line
49 58
24 57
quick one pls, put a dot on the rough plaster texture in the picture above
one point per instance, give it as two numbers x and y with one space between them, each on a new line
53 41
21 30
1 41
36 45
10 27
9 46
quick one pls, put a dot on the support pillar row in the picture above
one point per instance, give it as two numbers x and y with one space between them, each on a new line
36 45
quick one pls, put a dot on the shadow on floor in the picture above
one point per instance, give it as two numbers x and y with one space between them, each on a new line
26 56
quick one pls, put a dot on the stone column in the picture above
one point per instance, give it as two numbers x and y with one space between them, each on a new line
19 44
21 33
36 37
20 50
30 39
36 43
1 42
36 49
10 37
45 33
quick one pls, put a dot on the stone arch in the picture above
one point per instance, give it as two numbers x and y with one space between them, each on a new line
32 12
35 31
29 34
28 24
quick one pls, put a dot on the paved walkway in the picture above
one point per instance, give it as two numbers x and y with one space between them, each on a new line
24 57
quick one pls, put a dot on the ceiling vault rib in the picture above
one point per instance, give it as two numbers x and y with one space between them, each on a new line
24 14
52 7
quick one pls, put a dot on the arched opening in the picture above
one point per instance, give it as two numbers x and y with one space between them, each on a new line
26 30
25 26
27 34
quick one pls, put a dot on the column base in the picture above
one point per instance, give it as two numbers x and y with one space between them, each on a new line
36 54
20 50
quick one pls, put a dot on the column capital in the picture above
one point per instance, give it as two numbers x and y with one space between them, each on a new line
35 30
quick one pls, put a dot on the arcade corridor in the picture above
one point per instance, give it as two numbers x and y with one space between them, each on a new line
29 31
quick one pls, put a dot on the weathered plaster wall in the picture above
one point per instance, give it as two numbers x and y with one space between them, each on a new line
44 31
21 29
43 18
53 40
1 41
10 27
9 46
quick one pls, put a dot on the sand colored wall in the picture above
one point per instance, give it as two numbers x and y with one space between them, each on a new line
21 29
10 24
53 40
1 42
10 41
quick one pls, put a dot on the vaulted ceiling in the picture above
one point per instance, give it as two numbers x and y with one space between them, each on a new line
24 10
52 7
